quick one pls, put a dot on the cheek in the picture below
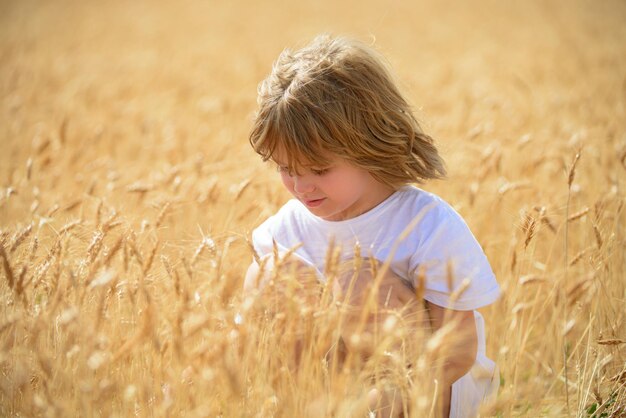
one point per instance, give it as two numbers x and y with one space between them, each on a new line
336 185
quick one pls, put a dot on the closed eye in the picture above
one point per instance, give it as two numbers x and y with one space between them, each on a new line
320 171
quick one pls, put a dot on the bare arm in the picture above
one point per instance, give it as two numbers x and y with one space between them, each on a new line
258 276
252 280
460 350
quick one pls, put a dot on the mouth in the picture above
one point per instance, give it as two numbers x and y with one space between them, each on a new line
312 203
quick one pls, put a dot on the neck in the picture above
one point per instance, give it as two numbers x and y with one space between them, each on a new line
378 193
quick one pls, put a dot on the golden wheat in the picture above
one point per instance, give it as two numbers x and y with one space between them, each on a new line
123 129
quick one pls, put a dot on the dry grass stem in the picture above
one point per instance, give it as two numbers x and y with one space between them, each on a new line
20 237
572 170
578 215
529 227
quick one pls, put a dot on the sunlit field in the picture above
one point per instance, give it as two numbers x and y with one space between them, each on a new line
128 192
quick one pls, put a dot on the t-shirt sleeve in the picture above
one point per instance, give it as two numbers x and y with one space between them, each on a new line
449 255
262 239
272 233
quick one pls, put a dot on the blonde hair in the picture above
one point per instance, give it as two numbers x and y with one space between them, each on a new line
336 97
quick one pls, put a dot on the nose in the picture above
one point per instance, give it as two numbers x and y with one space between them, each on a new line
302 184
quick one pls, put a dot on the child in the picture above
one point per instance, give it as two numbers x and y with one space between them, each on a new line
347 148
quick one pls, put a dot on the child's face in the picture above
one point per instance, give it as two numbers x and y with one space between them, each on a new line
337 192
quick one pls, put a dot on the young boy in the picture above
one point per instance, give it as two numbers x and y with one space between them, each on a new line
348 149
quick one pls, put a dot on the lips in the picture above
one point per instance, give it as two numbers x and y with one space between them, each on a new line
312 203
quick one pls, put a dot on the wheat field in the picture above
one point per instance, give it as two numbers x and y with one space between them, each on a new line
129 191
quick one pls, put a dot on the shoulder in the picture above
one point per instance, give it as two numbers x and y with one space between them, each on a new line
427 212
282 227
422 201
287 213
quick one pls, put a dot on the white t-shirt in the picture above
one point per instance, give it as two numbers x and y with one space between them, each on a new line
417 230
